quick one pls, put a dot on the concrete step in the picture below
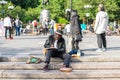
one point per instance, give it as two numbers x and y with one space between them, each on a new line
58 65
56 74
66 79
23 58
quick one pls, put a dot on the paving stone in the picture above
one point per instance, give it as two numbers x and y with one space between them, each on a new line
66 79
1 73
56 74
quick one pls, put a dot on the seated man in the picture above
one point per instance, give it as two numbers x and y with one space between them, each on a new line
56 48
28 29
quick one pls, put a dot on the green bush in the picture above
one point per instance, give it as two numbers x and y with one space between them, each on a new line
62 20
27 18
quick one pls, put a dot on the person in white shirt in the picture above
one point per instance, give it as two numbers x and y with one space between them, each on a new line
28 29
100 27
67 28
8 26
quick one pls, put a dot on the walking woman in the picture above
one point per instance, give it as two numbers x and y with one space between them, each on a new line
75 29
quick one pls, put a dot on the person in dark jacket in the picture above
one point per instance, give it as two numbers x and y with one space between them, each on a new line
56 48
75 29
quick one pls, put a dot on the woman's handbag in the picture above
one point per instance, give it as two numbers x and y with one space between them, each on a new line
78 37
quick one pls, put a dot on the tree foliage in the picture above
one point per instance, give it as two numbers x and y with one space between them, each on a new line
111 6
25 4
30 9
56 7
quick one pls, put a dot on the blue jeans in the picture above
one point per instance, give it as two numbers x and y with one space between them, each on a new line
73 52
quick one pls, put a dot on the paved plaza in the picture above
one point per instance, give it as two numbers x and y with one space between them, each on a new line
34 44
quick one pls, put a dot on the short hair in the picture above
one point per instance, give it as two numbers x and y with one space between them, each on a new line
74 13
101 6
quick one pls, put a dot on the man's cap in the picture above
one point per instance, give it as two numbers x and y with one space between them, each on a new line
59 32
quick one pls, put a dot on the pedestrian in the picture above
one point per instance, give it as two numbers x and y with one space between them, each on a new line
8 27
35 26
75 29
13 27
67 29
45 27
2 29
117 29
100 28
56 48
52 22
28 29
59 27
84 28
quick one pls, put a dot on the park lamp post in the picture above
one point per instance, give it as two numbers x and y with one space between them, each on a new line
87 14
87 6
3 2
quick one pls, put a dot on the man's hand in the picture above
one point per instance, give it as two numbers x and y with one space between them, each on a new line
52 46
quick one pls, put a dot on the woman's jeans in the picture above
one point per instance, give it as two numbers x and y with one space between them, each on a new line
101 40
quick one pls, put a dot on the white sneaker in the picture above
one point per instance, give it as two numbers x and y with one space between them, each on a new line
99 50
104 49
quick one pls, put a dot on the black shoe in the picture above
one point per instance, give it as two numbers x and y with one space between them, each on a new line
46 68
82 54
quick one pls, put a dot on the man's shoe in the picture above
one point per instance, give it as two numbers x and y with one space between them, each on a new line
104 49
99 50
46 68
65 69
